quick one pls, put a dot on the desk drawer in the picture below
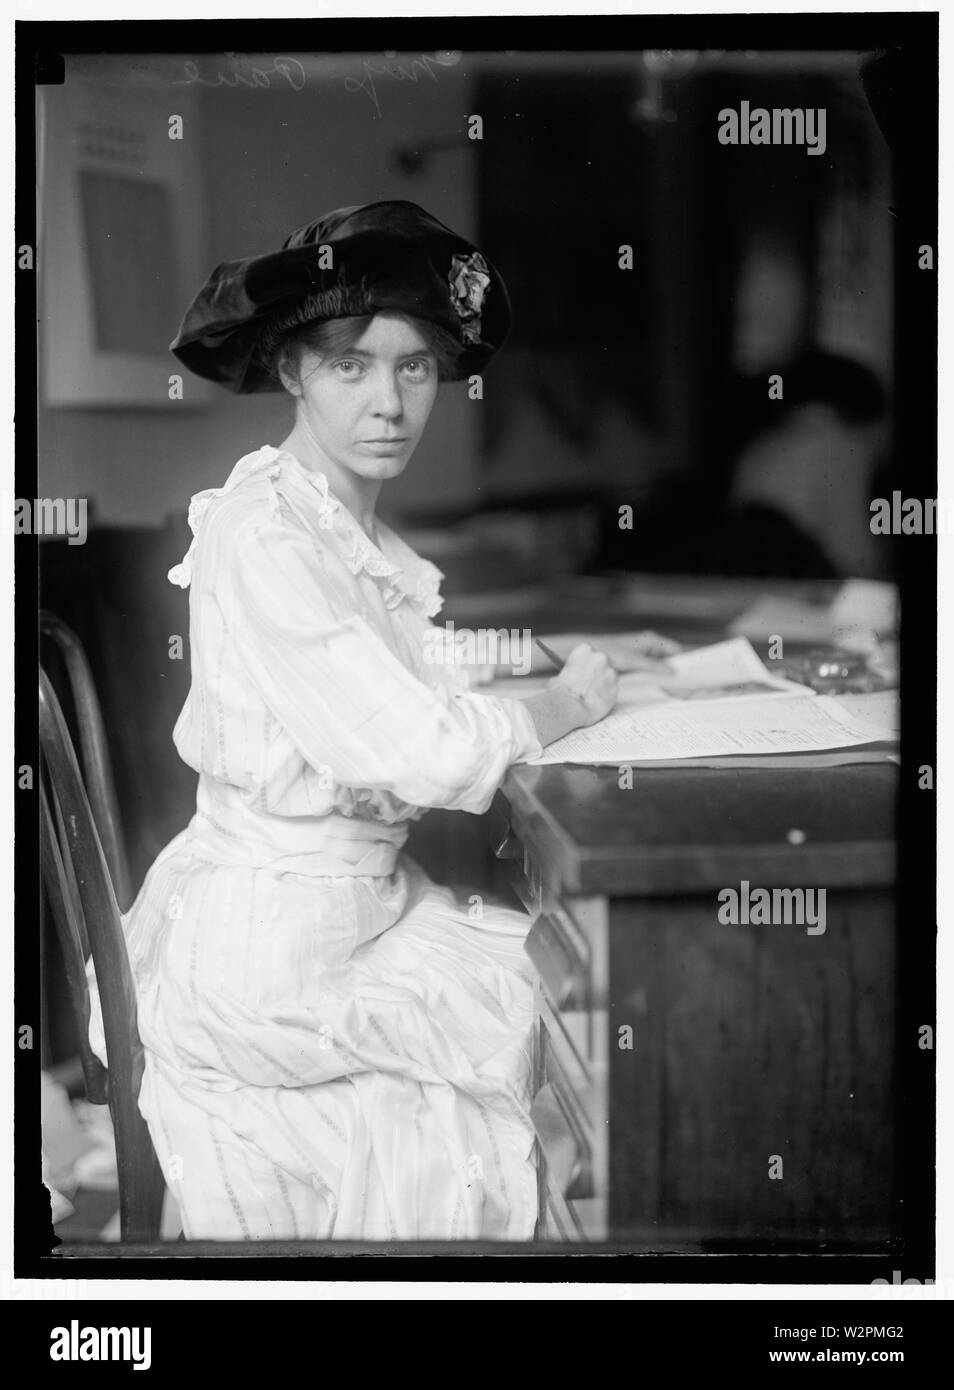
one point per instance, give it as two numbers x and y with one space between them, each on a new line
569 1115
568 945
570 948
561 959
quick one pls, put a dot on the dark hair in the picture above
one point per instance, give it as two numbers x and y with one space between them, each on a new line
327 337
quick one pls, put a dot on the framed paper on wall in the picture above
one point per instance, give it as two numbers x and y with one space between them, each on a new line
121 251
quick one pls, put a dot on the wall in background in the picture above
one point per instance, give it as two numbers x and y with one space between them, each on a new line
624 386
270 158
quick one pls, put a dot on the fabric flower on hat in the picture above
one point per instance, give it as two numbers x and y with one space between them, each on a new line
469 282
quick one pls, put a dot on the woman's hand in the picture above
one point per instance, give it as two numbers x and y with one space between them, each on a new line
482 675
583 692
651 651
591 680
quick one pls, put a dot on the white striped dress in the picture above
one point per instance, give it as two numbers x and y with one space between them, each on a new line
335 1046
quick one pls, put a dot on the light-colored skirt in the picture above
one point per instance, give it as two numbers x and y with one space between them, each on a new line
333 1057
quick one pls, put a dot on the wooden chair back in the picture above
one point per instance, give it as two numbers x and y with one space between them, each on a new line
87 920
94 753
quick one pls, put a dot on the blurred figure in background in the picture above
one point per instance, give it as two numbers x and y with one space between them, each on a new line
796 500
801 487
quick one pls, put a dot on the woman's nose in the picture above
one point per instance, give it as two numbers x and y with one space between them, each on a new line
388 401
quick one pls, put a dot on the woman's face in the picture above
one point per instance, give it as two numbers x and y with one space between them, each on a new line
366 406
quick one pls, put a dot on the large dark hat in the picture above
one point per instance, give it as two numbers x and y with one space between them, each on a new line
354 261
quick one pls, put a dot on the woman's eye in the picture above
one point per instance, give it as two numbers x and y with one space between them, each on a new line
418 368
348 367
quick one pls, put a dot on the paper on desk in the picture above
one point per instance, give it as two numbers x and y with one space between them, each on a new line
722 671
866 605
767 762
879 707
776 724
860 605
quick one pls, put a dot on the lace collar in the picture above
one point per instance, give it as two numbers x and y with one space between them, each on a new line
401 573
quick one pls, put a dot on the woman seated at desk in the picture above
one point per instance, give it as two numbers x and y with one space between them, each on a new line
336 1047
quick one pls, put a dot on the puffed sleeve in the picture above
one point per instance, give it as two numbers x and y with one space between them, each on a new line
346 700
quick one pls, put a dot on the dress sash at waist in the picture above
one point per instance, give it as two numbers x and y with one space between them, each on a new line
226 830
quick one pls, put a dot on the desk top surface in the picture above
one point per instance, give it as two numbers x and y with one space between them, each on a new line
692 829
685 829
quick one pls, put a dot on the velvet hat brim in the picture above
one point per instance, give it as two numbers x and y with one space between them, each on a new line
384 256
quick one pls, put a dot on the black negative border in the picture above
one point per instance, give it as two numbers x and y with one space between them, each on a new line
37 47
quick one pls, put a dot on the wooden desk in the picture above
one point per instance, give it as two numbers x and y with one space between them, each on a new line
680 1061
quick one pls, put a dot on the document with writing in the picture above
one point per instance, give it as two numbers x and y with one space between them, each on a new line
722 671
716 701
745 726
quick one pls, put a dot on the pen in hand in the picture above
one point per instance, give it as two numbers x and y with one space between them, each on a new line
558 661
658 665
